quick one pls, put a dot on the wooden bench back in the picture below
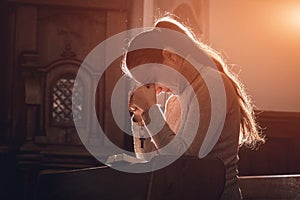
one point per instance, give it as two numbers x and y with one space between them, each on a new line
270 187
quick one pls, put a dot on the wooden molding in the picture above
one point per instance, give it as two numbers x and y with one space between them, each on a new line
29 59
278 124
279 155
281 187
278 116
97 4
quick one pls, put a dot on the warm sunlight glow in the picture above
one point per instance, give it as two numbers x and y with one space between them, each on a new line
296 17
265 41
291 17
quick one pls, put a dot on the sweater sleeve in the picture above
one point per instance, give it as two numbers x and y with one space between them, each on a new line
164 139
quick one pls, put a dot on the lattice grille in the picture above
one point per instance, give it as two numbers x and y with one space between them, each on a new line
62 101
78 101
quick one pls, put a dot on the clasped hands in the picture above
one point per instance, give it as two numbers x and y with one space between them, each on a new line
141 100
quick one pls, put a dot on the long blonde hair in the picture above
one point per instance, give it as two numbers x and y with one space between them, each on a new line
250 134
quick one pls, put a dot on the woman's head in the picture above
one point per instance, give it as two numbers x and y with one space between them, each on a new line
164 29
136 56
249 134
163 55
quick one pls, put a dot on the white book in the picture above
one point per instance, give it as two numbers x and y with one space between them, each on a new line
123 158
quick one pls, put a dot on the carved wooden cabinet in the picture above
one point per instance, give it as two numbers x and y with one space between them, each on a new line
48 41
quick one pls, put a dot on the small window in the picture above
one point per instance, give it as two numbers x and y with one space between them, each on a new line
61 98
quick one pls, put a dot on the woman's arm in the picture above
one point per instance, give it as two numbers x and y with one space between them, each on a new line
162 137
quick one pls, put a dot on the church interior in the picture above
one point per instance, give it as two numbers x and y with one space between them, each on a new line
43 44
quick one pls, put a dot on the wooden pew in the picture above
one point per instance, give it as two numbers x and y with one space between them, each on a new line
186 178
92 183
270 187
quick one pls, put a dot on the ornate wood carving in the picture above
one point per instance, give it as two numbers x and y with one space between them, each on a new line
68 33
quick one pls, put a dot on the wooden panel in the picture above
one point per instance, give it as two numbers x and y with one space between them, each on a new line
26 24
42 35
10 181
280 154
112 74
5 74
74 32
270 187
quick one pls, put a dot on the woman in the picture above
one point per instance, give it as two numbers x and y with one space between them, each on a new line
239 127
